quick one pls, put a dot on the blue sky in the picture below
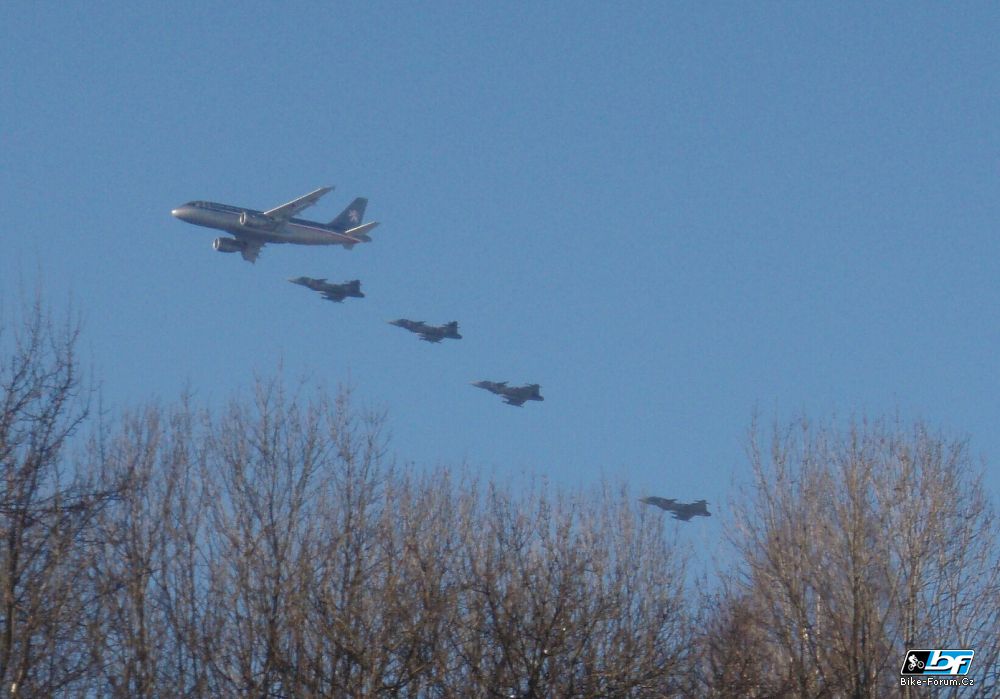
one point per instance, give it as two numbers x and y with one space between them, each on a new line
668 214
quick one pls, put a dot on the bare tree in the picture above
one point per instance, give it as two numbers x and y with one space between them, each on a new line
46 506
148 631
263 462
856 546
730 654
568 596
273 552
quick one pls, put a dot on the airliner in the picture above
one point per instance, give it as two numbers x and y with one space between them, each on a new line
251 229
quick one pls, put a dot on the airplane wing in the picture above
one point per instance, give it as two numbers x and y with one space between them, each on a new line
514 401
428 338
683 516
286 211
250 250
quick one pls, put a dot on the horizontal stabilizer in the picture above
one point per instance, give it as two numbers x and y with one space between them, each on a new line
360 233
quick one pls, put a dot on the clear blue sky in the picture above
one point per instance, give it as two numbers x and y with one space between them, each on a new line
670 215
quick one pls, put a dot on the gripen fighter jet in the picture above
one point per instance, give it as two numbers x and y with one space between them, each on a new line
512 395
251 229
680 510
429 333
331 292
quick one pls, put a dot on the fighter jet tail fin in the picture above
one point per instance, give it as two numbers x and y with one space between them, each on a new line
350 217
451 330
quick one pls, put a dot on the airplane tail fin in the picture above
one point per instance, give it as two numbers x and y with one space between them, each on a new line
354 287
352 216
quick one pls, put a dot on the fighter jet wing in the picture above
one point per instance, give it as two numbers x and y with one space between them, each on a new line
251 250
514 401
286 211
662 503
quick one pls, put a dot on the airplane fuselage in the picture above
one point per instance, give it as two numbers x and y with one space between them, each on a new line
259 227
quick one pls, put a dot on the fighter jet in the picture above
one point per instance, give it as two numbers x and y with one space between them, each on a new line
512 395
680 510
331 292
429 333
251 229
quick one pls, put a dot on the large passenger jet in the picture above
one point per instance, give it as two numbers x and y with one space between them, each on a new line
251 229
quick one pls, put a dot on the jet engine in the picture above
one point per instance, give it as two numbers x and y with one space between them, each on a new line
249 220
227 245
